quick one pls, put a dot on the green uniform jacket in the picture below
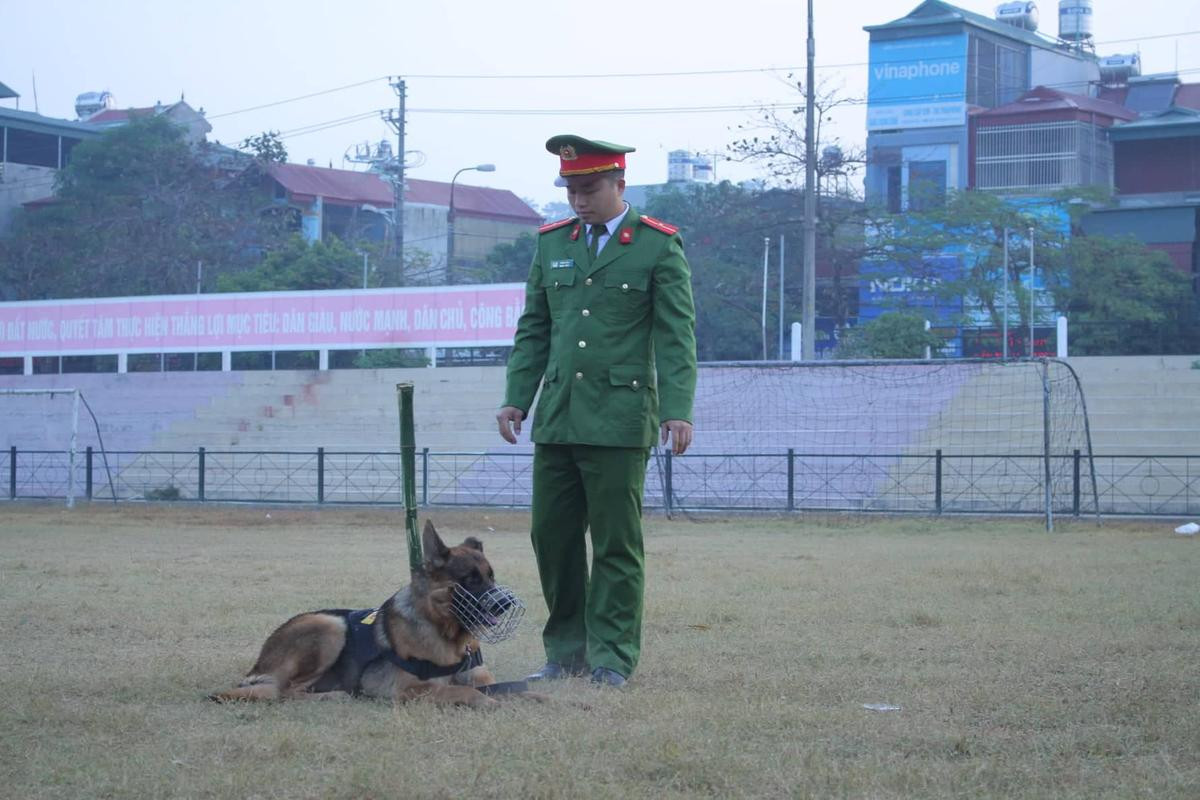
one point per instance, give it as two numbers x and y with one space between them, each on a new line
615 339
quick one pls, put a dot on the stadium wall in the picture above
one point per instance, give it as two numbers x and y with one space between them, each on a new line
1137 405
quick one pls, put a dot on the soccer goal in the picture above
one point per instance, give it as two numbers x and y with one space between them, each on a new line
41 442
940 436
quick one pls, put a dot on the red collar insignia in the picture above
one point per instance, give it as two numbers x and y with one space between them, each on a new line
626 235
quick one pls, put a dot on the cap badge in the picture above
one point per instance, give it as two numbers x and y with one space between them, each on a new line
567 152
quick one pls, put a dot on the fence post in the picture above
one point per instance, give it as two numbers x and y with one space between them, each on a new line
791 506
320 475
12 472
87 472
424 476
200 475
937 482
668 490
1075 484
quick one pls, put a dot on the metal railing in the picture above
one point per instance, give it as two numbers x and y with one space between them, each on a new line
784 481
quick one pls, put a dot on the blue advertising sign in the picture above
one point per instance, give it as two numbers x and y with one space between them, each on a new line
917 83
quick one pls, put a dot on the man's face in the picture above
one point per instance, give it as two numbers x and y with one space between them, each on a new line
595 198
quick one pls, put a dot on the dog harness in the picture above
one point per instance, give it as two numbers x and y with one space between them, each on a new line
362 649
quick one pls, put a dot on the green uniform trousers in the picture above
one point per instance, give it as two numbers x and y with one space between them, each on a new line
594 621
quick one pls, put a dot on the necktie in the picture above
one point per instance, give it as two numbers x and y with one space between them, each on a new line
594 246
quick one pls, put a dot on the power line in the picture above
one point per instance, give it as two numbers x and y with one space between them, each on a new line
650 110
623 75
295 99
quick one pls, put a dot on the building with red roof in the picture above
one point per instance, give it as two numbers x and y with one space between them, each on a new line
360 205
182 114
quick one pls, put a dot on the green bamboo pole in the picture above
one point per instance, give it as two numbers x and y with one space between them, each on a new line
408 464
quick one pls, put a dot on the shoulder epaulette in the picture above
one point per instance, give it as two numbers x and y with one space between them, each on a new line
659 225
553 226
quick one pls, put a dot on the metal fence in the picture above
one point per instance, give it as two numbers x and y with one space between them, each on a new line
784 481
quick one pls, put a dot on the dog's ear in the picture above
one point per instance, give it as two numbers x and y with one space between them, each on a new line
435 549
473 543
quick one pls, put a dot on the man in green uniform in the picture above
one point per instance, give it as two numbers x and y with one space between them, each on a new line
609 332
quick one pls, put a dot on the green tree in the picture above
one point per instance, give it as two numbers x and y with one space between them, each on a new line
893 334
266 147
723 228
507 262
297 266
1123 298
135 212
1120 296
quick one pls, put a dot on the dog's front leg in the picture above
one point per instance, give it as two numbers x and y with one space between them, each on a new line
445 695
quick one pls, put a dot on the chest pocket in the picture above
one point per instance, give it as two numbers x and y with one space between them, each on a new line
558 284
626 295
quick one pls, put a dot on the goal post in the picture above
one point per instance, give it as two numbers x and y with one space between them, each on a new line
38 417
943 435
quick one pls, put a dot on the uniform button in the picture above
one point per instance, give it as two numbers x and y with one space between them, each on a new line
587 313
556 284
624 287
582 343
588 282
578 376
635 383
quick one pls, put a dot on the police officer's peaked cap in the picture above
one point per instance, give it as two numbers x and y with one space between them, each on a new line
580 156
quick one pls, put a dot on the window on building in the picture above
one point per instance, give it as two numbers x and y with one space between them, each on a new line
1042 155
208 362
926 185
143 362
104 363
381 358
251 360
996 73
297 359
46 365
12 366
895 189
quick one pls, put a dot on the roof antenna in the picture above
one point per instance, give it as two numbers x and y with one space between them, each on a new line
36 110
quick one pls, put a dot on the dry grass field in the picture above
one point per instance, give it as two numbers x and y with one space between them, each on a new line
1024 664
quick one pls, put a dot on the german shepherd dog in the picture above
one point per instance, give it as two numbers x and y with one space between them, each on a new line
415 645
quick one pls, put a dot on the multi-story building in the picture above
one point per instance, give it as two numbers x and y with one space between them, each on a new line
960 101
928 70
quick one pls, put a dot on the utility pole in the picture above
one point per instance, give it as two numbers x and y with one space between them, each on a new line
1032 275
766 257
809 318
781 244
396 120
1004 334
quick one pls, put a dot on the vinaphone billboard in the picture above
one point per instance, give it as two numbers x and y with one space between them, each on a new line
917 83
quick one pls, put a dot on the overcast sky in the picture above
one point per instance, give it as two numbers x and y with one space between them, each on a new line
230 56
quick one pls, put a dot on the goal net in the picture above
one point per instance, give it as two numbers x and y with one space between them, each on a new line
981 436
40 437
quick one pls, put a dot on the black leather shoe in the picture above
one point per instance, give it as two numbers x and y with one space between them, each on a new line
554 671
603 676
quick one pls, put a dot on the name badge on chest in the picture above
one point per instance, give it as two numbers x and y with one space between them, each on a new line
566 263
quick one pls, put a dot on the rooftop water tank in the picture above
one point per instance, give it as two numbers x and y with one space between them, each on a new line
679 166
1075 20
89 104
1120 67
1023 14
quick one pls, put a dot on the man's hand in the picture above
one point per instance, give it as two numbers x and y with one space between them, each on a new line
680 433
509 419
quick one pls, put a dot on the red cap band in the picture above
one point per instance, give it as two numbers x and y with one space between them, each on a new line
586 164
